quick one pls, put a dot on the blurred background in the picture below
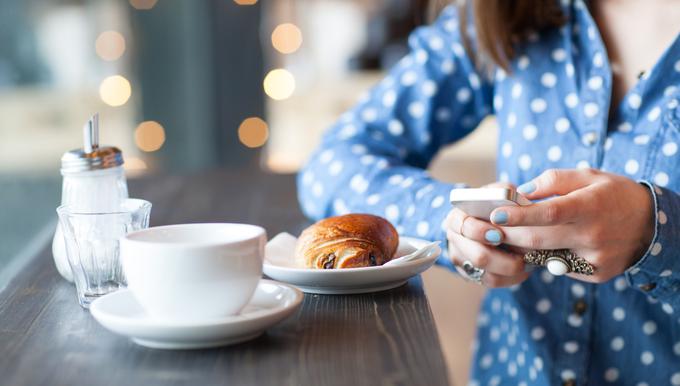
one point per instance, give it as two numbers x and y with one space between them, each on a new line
183 86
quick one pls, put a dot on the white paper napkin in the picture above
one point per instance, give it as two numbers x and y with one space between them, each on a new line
280 251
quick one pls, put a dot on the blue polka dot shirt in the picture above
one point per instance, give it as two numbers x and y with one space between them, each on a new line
552 112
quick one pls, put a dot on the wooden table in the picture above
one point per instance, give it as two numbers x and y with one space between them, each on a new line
385 338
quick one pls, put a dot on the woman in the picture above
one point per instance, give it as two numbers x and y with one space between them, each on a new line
586 97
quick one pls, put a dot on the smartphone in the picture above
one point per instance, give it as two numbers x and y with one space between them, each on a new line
480 202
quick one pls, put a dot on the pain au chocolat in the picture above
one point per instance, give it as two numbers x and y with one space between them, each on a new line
348 241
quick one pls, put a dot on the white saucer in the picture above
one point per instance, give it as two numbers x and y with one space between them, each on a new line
120 313
353 280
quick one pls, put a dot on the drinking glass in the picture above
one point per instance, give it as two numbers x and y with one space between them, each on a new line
92 245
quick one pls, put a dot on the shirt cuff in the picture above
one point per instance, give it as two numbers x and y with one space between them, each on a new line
437 219
657 273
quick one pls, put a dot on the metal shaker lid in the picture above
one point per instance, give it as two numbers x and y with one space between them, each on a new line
91 156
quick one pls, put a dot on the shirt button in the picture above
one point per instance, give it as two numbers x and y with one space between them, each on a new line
569 382
647 287
580 307
590 138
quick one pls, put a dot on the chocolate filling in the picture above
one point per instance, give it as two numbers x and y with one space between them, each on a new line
331 261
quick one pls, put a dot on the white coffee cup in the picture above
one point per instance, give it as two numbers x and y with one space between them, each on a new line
193 271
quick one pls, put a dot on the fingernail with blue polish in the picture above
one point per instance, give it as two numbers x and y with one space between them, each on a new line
527 188
493 236
500 217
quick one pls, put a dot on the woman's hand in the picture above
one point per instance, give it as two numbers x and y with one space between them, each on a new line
476 240
604 218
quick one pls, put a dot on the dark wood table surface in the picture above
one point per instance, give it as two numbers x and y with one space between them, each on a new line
385 338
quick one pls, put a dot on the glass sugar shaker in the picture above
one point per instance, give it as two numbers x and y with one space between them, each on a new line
94 181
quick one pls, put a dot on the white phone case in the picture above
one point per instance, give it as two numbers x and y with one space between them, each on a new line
480 202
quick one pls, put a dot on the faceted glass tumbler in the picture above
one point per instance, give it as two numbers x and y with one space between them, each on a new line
93 249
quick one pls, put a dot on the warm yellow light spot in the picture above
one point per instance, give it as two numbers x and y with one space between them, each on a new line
245 2
253 132
149 136
143 4
110 45
279 84
286 38
134 163
115 90
283 162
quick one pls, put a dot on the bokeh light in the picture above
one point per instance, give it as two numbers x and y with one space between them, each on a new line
149 136
286 38
143 4
110 45
134 163
279 84
253 132
115 90
245 2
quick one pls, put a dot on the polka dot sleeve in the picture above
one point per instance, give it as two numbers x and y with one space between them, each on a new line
373 159
657 273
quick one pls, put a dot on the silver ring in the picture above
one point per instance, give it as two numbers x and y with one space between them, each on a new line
571 261
462 224
472 273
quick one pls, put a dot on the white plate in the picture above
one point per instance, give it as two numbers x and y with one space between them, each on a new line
272 302
354 280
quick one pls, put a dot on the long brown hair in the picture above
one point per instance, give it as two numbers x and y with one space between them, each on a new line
500 24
